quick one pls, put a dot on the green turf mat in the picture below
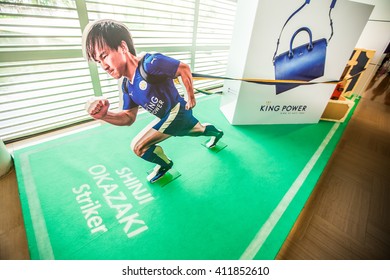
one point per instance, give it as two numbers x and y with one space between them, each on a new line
85 195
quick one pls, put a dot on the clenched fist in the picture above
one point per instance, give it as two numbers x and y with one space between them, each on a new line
97 107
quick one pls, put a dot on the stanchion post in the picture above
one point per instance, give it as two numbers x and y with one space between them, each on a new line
6 162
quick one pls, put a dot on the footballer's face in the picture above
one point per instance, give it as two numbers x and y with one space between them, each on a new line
113 61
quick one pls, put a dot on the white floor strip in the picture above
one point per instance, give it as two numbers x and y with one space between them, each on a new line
41 234
275 216
52 136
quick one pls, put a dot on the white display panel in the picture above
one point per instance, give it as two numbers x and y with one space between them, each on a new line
257 28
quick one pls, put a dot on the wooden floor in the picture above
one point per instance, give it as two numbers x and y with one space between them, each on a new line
347 216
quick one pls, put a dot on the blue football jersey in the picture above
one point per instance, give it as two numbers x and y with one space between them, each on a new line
159 98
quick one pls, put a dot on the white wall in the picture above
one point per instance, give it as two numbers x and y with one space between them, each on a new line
375 36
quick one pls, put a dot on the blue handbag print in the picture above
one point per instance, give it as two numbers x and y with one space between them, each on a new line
302 63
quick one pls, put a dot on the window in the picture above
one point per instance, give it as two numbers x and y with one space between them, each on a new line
44 80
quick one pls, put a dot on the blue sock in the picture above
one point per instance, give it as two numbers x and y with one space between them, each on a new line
210 130
155 154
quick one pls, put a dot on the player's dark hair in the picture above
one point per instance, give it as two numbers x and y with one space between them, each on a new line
107 33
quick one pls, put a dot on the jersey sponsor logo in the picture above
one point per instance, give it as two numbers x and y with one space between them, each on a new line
154 105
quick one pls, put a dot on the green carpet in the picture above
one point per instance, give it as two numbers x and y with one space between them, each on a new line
85 195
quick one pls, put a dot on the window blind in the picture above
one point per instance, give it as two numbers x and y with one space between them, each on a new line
44 81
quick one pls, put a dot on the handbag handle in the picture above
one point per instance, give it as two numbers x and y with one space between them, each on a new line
310 47
332 5
284 25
